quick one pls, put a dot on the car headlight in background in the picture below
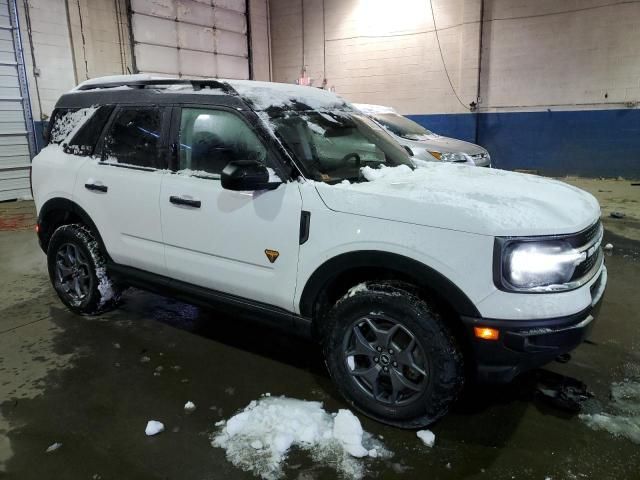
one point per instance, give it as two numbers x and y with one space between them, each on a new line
450 156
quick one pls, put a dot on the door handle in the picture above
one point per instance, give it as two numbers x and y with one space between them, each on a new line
184 201
96 188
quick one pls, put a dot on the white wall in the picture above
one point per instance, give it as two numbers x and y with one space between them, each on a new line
378 51
560 53
536 53
259 16
99 32
49 39
68 41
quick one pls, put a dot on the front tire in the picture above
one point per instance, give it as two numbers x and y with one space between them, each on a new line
77 270
391 355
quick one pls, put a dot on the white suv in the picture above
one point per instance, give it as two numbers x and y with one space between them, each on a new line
287 204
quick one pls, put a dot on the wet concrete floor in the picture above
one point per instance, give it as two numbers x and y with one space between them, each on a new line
92 384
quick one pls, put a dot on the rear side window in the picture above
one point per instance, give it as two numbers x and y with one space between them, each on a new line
134 138
85 139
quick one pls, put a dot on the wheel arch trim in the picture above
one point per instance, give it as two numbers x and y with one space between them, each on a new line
62 204
423 275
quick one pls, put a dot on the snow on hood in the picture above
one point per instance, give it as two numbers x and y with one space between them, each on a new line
476 200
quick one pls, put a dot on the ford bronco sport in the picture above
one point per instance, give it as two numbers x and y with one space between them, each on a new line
286 204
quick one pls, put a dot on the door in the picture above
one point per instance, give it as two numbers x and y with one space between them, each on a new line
187 38
240 243
120 187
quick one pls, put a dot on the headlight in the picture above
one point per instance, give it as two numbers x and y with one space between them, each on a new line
529 265
450 157
536 265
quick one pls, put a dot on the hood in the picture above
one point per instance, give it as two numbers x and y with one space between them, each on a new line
476 200
442 144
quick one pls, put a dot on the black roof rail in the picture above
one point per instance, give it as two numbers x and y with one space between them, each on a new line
196 84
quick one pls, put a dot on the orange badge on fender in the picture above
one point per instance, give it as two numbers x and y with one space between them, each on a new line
272 255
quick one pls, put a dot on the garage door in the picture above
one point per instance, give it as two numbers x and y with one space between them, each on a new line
16 137
204 38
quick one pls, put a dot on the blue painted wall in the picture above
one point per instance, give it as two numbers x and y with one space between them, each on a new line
590 143
462 126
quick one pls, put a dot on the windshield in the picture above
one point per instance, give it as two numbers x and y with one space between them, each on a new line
334 146
402 126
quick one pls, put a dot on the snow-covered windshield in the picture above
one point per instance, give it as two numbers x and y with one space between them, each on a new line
335 146
402 126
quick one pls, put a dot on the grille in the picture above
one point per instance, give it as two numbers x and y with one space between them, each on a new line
587 265
584 241
584 237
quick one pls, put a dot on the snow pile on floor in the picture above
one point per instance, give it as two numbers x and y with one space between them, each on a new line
259 438
154 427
105 286
427 437
53 447
624 416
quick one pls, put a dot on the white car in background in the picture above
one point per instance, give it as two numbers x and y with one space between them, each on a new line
423 144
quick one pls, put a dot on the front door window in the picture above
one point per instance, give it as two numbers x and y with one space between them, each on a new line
210 139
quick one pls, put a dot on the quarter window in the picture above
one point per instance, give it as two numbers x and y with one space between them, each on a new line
210 139
64 121
84 141
134 138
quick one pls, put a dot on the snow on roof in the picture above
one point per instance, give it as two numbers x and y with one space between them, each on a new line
369 109
262 95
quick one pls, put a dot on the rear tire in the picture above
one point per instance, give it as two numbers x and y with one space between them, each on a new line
391 355
77 270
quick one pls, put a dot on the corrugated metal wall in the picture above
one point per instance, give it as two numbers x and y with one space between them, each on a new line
16 132
204 38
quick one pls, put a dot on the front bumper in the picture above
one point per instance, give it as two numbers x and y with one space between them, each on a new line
527 344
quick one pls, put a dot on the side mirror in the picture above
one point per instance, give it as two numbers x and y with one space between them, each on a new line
246 175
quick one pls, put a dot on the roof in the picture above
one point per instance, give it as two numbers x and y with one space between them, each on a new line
259 95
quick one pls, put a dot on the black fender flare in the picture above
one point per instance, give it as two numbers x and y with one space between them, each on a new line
422 275
64 205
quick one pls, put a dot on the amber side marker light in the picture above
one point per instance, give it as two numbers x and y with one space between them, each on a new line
486 333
